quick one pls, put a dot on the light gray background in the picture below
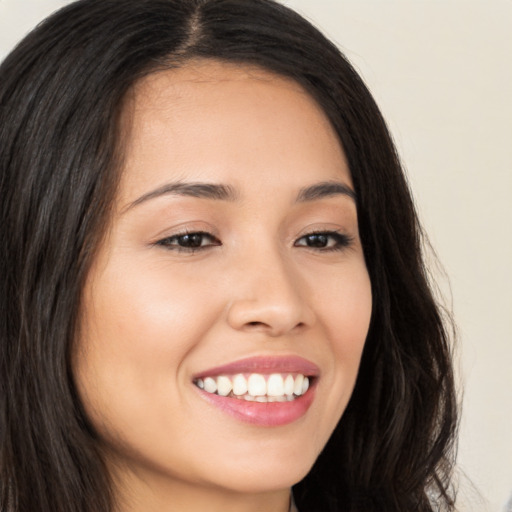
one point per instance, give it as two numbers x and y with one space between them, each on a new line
441 71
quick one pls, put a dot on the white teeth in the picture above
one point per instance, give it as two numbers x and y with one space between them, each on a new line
289 383
239 385
223 386
263 399
297 388
305 385
275 385
258 387
210 385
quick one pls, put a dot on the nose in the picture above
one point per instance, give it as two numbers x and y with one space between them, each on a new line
269 298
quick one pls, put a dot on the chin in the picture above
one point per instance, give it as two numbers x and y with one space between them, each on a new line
276 474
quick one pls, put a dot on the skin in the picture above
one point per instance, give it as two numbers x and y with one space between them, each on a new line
154 315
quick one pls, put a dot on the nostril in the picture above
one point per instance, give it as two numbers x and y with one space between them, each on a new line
273 317
255 325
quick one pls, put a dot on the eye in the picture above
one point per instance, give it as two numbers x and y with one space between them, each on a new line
189 242
324 241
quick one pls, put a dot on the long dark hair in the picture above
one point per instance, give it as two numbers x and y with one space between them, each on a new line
61 94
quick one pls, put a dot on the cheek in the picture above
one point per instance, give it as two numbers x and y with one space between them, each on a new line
146 310
345 309
137 329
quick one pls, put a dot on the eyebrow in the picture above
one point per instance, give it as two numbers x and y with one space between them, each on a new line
324 189
201 190
222 192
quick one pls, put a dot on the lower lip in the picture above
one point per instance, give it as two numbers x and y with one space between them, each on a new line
267 414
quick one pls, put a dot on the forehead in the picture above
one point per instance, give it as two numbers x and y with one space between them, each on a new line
207 119
207 77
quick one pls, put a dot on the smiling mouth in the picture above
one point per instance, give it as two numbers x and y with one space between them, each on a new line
257 387
267 391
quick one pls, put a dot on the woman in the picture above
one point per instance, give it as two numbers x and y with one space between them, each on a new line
212 268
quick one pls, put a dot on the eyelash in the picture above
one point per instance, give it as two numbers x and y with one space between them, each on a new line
169 242
341 241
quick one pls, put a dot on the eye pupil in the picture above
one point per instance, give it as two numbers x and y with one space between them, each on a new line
192 240
317 240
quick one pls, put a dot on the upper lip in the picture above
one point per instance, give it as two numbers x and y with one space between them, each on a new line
264 365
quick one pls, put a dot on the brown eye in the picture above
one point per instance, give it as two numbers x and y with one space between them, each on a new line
189 241
329 240
192 240
317 240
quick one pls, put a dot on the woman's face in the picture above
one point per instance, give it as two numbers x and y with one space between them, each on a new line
233 259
